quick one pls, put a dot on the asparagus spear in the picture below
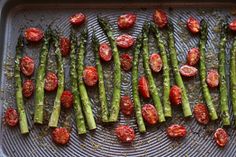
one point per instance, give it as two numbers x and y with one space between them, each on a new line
233 76
61 79
223 87
86 104
178 79
166 71
205 90
39 87
102 92
152 86
115 105
18 83
80 124
137 104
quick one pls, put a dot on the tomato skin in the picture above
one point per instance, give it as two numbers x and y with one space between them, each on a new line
221 137
51 82
143 87
188 71
105 52
67 99
90 76
193 56
201 113
126 105
175 95
126 61
155 62
60 136
77 19
126 21
160 18
176 131
33 34
28 88
232 25
11 117
125 133
212 78
125 41
27 65
193 25
149 114
65 46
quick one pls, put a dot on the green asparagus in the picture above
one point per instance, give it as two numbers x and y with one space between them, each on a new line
233 76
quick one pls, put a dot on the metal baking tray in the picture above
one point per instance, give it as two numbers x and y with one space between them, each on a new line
18 15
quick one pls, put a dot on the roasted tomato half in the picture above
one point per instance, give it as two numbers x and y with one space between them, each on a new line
28 88
126 61
221 137
155 62
143 87
125 41
149 114
67 99
160 18
33 34
51 82
193 56
27 65
201 113
60 136
126 21
90 76
126 105
11 116
77 19
105 52
175 95
188 71
193 25
176 131
125 133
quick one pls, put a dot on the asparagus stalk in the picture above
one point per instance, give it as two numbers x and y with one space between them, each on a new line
137 104
152 86
175 65
166 71
115 105
86 104
102 92
205 90
18 83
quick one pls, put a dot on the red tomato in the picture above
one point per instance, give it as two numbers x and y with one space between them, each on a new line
160 18
67 99
125 133
193 25
126 21
232 25
149 114
188 71
90 76
212 78
27 66
126 105
221 137
51 82
33 34
143 87
201 113
28 88
126 61
175 95
60 136
11 117
65 46
77 19
193 56
125 41
155 62
176 131
105 52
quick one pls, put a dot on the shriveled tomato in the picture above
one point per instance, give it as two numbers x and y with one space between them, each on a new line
125 41
201 113
193 25
193 56
126 105
28 88
188 71
126 61
126 21
125 133
155 62
221 137
51 82
176 131
11 117
67 99
33 34
160 18
27 65
105 52
175 95
65 46
60 136
143 87
212 78
77 19
232 25
149 114
90 76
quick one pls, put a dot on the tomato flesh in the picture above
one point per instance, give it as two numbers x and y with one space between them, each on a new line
201 113
193 56
176 131
65 46
90 76
60 136
126 105
27 65
11 117
126 21
221 137
212 78
188 71
149 114
33 34
193 25
155 62
160 18
51 82
125 41
232 25
175 95
125 133
28 88
105 52
77 19
143 87
126 61
67 99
